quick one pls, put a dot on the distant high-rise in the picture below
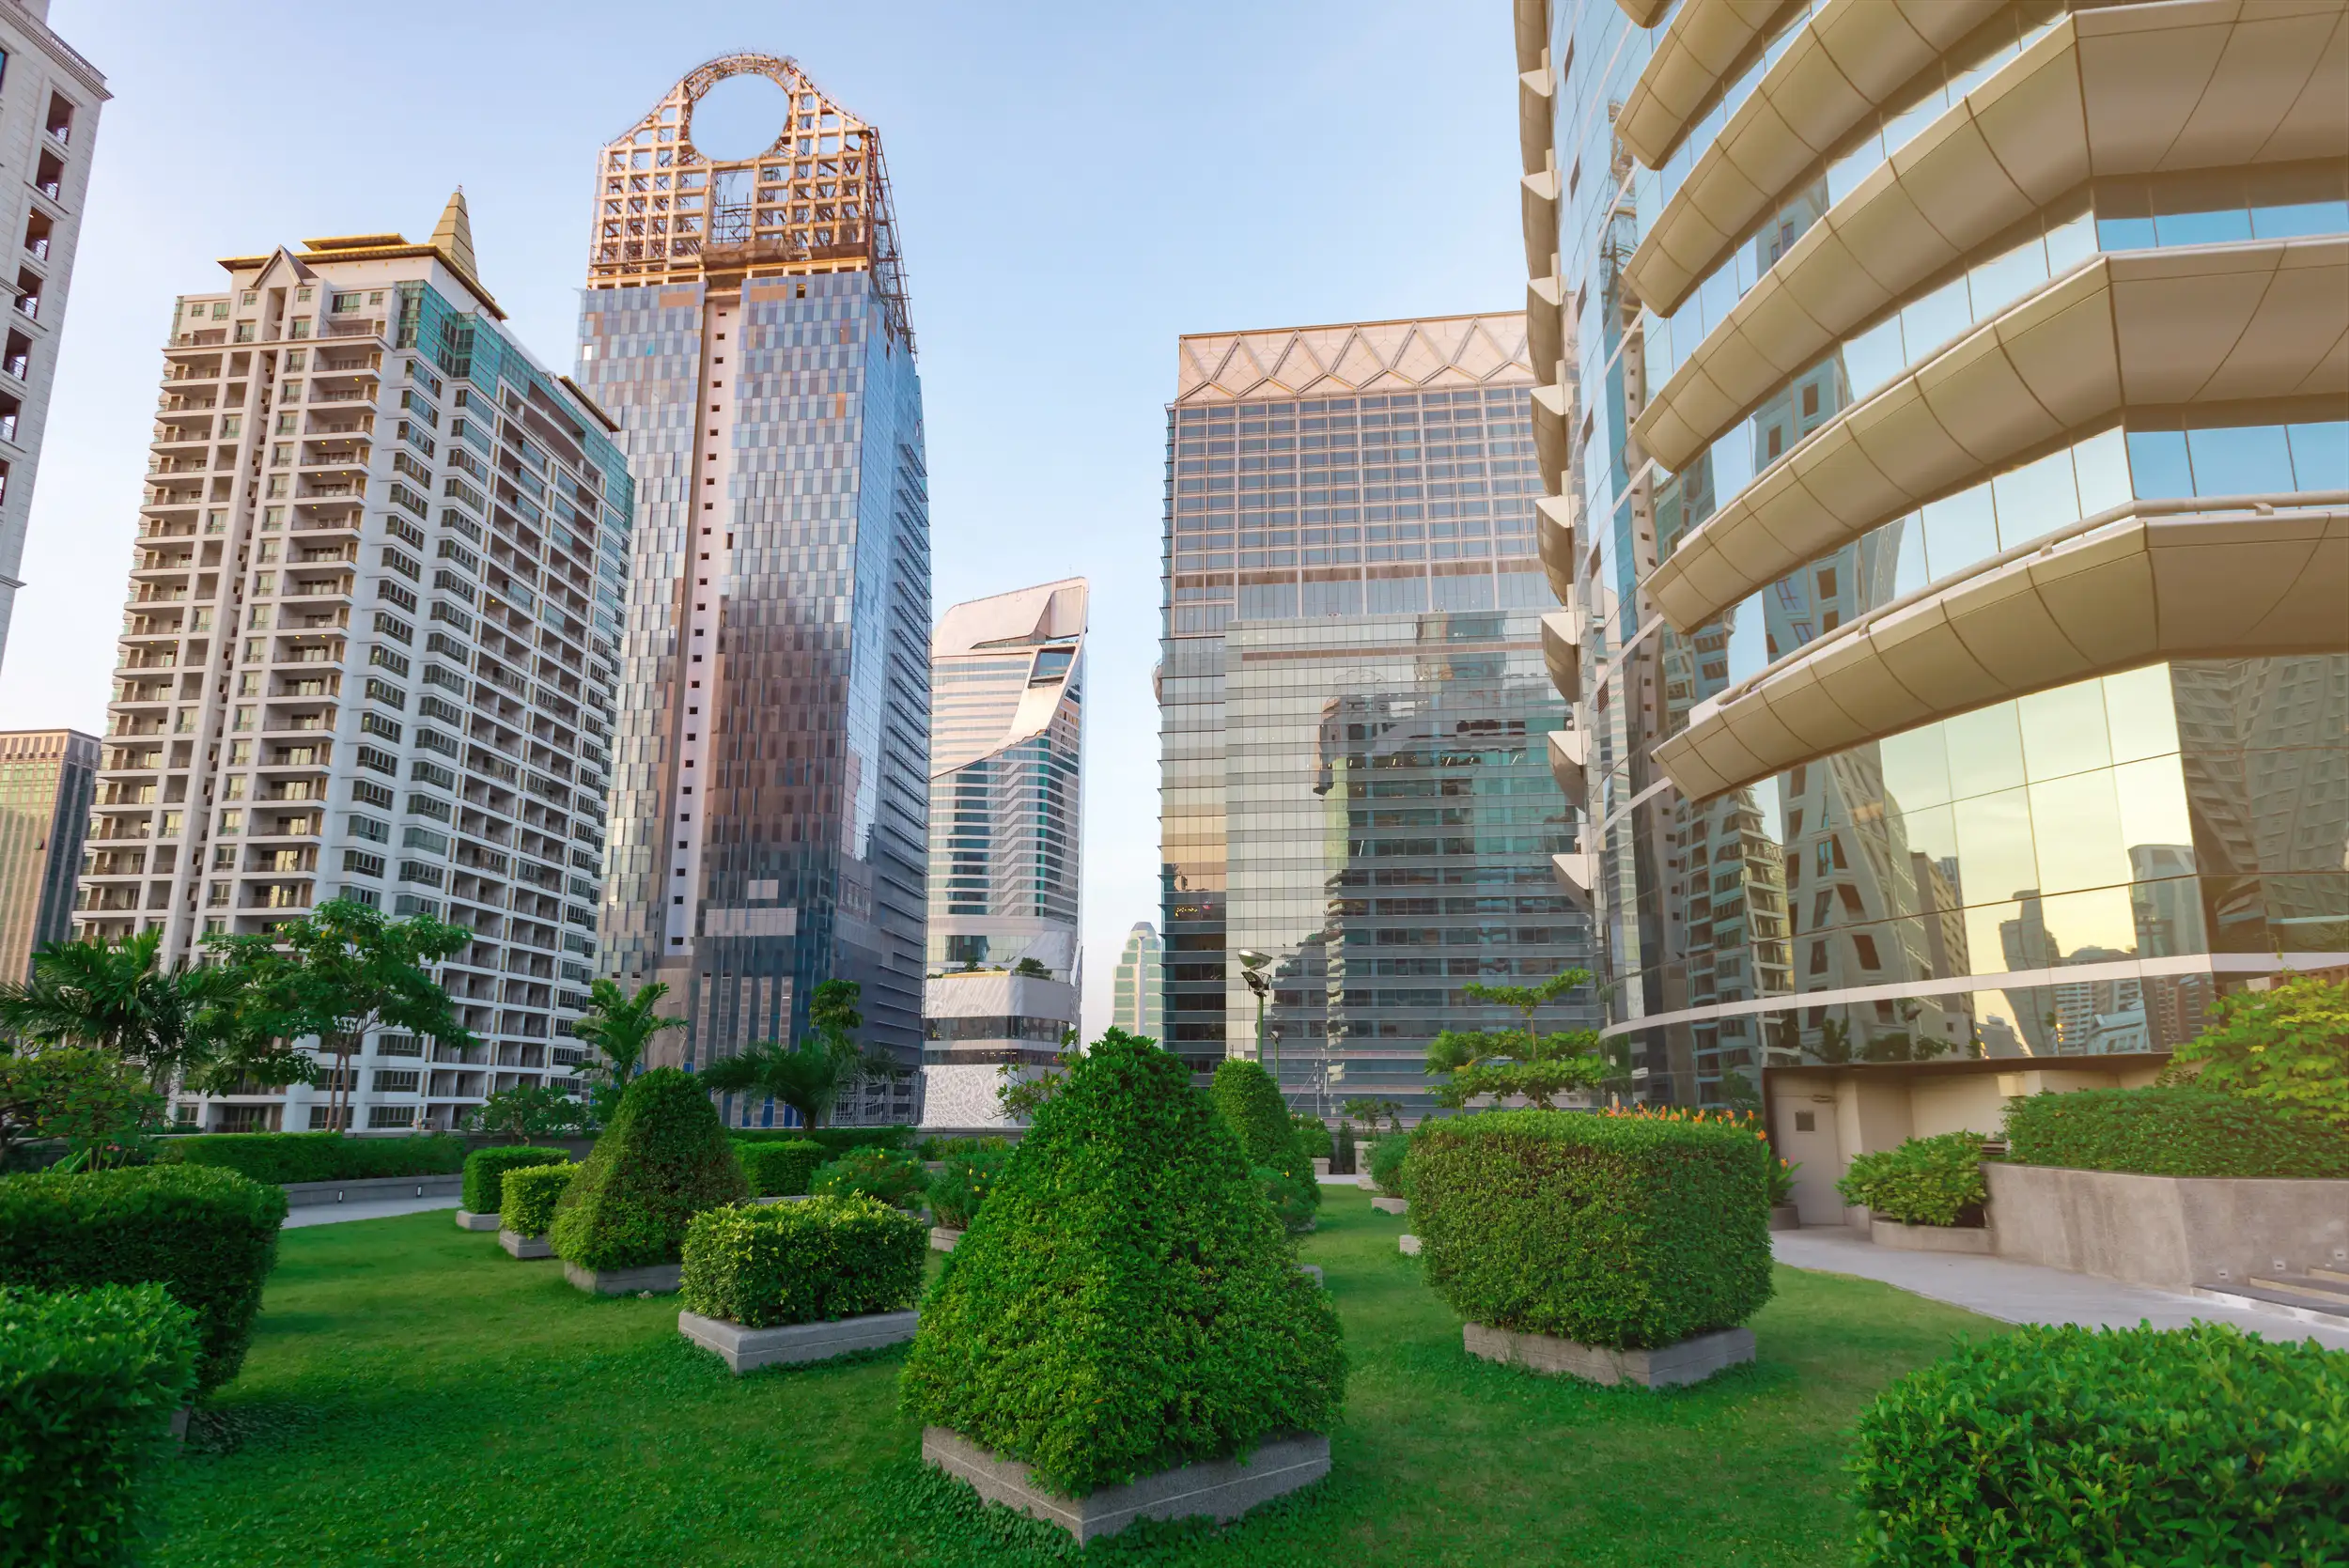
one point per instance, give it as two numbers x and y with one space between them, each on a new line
49 98
1137 1006
745 320
1006 823
47 778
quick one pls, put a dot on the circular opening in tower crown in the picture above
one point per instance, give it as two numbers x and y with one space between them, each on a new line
739 117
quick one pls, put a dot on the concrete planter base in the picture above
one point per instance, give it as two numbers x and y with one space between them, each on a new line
748 1349
1222 1488
1692 1360
781 1198
660 1279
1314 1269
1972 1239
524 1246
1391 1206
942 1239
1786 1217
1408 1246
468 1221
1321 1167
373 1189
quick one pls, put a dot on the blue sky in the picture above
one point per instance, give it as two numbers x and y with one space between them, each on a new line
1077 185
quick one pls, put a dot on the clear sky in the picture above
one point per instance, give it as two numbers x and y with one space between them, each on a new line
1077 184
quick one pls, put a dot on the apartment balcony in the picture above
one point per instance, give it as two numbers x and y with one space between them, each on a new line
158 593
132 727
120 794
167 528
132 759
279 791
119 829
118 862
108 899
322 653
274 895
179 465
302 859
186 402
296 724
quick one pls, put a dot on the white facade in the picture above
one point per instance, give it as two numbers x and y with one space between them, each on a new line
1138 1004
49 98
368 652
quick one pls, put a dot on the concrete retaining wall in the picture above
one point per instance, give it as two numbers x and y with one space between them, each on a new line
2173 1232
374 1190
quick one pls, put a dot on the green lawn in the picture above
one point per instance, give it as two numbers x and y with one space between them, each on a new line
415 1396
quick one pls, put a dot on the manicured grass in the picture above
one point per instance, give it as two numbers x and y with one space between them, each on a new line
415 1396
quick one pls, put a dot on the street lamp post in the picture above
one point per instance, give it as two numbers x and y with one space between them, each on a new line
1251 967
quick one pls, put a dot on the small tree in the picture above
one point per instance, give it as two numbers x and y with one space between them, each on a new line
527 1111
2287 1046
1513 1063
808 1078
1023 1090
1371 1112
1031 969
622 1028
100 1105
1250 1103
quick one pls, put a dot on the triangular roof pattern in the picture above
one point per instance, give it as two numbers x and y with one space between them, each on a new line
1318 361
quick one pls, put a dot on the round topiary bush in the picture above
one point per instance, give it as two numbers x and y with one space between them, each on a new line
1250 1103
663 1159
1125 1302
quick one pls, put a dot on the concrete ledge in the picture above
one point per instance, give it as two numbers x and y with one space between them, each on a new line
942 1239
1901 1237
2171 1233
748 1349
1786 1217
375 1189
1322 1168
1391 1206
1408 1246
468 1221
781 1198
524 1246
660 1279
1221 1488
2253 1299
1692 1360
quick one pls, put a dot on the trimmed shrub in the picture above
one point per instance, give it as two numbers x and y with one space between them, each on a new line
2172 1132
780 1170
663 1159
1341 1162
1629 1233
280 1157
486 1169
1387 1158
531 1195
804 1263
1313 1139
1124 1302
1925 1181
892 1176
1288 1203
836 1140
1250 1103
970 1172
89 1382
2196 1445
208 1237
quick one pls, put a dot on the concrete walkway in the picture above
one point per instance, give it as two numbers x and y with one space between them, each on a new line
2027 1292
334 1214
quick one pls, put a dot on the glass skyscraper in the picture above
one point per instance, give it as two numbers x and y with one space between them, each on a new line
1136 1004
1355 712
47 780
1946 482
746 322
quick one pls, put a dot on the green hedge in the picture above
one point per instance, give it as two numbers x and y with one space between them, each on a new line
836 1140
279 1157
208 1236
969 1173
892 1176
2172 1132
485 1168
663 1159
1125 1302
531 1195
1250 1103
780 1170
1387 1158
824 1258
89 1382
1625 1231
1314 1138
2068 1445
1925 1181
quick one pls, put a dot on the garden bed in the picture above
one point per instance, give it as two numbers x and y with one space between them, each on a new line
748 1349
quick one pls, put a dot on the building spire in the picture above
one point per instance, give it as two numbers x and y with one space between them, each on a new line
453 236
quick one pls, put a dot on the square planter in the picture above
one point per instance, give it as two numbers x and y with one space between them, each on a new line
1391 1206
1408 1246
524 1246
1322 1168
1692 1360
468 1221
942 1239
1314 1269
1222 1488
660 1279
748 1349
1930 1238
1786 1217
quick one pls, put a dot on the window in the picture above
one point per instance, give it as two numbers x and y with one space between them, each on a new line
1866 947
1806 1120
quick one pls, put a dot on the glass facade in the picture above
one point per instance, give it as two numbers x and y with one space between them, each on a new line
47 780
1136 1004
2075 871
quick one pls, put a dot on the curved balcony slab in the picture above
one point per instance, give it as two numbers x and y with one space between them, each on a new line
1643 12
1577 874
1552 444
1701 46
1553 536
1531 20
1562 651
1569 764
1547 337
2108 598
1537 126
1538 201
2207 326
2132 91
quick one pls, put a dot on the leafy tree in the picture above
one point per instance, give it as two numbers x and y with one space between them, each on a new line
119 997
622 1027
1509 1063
1024 1090
1031 969
526 1111
1250 1105
1835 1042
807 1078
337 972
2287 1046
1370 1113
1737 1091
98 1102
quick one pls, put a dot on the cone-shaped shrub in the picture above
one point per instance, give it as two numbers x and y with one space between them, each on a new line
1125 1302
664 1158
1248 1099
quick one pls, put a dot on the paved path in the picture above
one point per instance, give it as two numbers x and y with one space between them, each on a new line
2026 1293
334 1214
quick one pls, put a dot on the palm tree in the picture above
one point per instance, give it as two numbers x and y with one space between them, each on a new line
622 1027
806 1080
120 997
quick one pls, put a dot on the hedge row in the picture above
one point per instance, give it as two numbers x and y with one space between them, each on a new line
531 1194
836 1140
825 1258
2172 1132
780 1170
279 1157
892 1176
89 1382
485 1170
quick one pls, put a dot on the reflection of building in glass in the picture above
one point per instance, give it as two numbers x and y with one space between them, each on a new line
1136 1005
1970 672
1006 816
1353 714
47 780
746 320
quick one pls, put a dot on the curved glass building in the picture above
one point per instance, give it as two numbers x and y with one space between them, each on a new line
1942 409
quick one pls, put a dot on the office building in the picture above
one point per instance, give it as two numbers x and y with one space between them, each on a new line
1355 713
745 321
1136 1004
47 779
50 100
1007 829
368 652
1941 410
